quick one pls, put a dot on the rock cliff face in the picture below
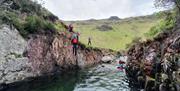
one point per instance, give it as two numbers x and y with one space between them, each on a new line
41 54
49 53
13 66
158 58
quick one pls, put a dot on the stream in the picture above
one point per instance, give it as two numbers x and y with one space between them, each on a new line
100 78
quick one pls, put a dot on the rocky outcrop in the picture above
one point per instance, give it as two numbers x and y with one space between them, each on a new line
49 53
158 59
108 59
13 66
104 27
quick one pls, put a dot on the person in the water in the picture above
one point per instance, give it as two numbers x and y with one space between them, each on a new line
121 65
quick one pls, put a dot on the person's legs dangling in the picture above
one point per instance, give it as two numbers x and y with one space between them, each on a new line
75 49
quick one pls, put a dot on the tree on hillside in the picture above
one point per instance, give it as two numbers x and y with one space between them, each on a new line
167 3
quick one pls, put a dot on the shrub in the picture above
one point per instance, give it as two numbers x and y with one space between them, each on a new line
27 6
136 40
7 17
38 19
105 27
35 24
50 17
59 26
153 31
11 18
49 26
20 27
163 25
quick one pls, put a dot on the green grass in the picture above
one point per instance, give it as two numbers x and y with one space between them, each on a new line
124 31
167 23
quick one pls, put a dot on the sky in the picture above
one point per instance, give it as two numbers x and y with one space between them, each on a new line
99 9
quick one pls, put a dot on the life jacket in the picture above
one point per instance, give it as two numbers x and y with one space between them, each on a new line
74 38
75 41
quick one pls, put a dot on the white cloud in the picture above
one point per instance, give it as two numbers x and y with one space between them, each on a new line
98 9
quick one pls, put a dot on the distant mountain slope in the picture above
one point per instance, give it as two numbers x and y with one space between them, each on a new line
114 34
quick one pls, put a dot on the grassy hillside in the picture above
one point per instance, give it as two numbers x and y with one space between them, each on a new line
121 31
28 17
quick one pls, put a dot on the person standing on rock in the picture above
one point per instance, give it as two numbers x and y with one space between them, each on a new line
75 40
89 41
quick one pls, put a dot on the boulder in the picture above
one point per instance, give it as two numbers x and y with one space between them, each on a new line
107 59
122 58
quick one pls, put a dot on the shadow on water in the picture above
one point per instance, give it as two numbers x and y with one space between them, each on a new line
64 82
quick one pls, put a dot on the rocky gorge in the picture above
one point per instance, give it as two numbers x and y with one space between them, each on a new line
40 55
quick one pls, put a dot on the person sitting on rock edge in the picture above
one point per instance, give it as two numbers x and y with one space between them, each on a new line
70 28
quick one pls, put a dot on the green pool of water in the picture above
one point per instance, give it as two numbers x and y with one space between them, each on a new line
86 80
